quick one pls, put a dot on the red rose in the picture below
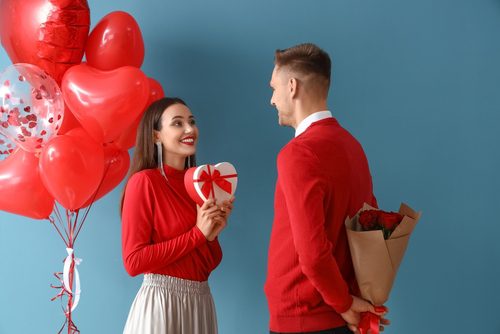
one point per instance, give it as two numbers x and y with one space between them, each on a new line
368 219
389 220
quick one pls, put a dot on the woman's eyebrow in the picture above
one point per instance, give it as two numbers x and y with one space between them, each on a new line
175 117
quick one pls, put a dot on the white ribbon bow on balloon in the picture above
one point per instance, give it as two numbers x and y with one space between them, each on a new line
66 273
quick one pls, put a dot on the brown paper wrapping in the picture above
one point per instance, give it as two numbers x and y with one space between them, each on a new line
376 261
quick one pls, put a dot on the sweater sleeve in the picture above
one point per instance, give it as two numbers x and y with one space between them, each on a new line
140 254
304 188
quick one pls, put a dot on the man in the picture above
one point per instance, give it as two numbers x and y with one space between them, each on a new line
323 177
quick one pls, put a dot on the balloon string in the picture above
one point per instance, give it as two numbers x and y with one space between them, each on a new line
68 228
57 229
72 328
72 233
60 222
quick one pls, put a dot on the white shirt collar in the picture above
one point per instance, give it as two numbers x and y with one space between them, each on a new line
314 117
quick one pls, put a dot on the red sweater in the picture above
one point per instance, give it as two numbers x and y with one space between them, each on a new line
323 177
159 233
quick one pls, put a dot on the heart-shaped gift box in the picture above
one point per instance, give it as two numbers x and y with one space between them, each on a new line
211 181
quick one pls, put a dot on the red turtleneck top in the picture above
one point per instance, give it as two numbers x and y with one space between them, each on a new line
159 233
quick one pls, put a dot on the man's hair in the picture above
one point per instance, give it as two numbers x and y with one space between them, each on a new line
305 59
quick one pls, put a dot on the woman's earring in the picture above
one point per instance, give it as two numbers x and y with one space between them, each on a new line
159 151
192 161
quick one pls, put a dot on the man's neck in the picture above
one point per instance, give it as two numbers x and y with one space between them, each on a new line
305 111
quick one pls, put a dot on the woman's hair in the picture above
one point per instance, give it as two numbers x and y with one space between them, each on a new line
145 152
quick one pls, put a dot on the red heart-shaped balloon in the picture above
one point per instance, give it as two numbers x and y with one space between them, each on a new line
23 192
48 33
116 164
105 103
115 41
128 138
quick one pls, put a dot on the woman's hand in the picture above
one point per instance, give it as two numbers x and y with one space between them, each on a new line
209 219
221 221
226 207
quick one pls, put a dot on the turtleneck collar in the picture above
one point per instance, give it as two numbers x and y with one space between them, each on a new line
171 172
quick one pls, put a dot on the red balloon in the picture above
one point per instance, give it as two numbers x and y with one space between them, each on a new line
128 138
48 33
23 192
105 103
155 91
71 167
115 41
116 164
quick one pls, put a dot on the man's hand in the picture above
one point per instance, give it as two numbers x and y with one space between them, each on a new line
353 315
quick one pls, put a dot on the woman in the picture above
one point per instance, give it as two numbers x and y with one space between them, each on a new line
164 235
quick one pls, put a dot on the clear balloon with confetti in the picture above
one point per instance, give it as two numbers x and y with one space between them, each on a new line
31 106
6 147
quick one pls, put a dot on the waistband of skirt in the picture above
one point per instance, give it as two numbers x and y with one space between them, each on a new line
176 284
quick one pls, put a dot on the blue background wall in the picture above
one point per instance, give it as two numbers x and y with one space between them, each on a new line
415 81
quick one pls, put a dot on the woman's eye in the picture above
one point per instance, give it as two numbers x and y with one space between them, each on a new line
192 122
177 124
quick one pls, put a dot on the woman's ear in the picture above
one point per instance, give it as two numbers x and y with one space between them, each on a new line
156 136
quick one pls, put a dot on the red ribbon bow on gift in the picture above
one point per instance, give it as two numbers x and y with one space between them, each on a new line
370 322
209 179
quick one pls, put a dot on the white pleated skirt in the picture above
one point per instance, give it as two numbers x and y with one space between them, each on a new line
170 305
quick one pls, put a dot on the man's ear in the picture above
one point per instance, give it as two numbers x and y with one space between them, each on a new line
293 87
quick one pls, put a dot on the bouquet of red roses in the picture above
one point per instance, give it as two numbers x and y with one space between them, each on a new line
371 220
378 241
